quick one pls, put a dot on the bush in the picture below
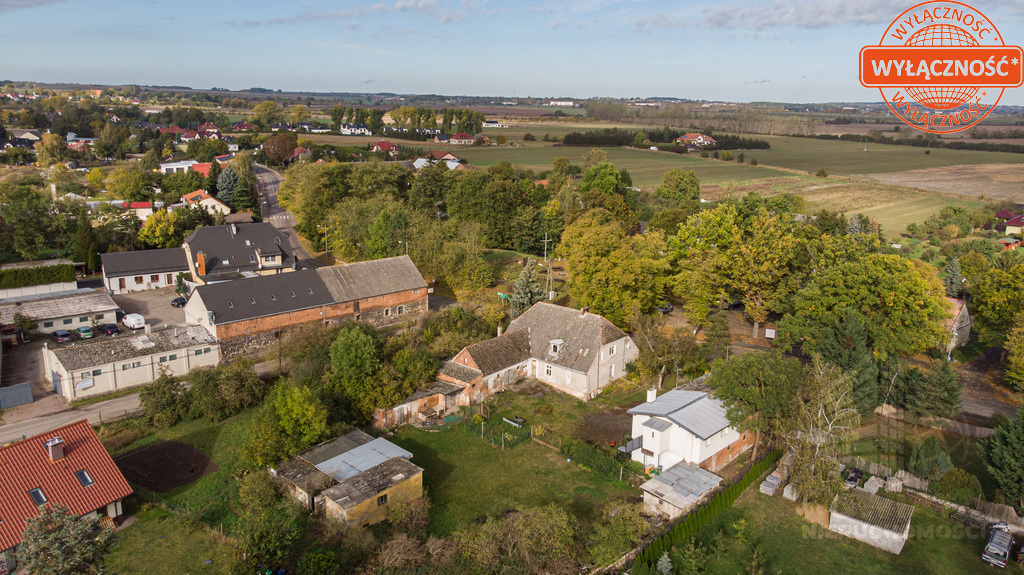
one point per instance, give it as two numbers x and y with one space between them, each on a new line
256 491
319 561
24 277
929 460
753 161
528 137
957 485
822 173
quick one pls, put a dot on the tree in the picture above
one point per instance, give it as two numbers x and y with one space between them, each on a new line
603 177
227 181
679 185
718 336
997 301
355 358
662 350
267 535
159 230
928 460
1003 452
279 147
58 542
85 241
757 389
621 528
844 344
212 177
267 112
822 426
956 485
130 183
52 149
165 401
936 393
299 113
301 417
319 561
901 302
700 249
96 178
954 280
1014 347
760 265
28 216
526 290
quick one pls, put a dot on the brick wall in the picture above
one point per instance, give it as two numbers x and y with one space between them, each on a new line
729 454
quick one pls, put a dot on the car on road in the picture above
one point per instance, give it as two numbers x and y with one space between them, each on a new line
109 329
179 301
999 545
134 321
61 336
85 332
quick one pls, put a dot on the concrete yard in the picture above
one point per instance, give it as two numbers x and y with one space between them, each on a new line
154 305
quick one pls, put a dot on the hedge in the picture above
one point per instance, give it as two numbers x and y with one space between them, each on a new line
25 277
696 520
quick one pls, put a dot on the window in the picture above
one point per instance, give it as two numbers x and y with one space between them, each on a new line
172 357
611 371
126 366
273 297
387 312
382 500
83 478
199 352
252 300
85 375
83 320
415 292
155 278
292 293
268 259
627 344
277 241
138 280
67 322
47 324
611 350
231 304
206 350
136 364
225 262
96 372
99 316
310 290
163 358
37 496
355 307
554 348
252 259
401 310
547 370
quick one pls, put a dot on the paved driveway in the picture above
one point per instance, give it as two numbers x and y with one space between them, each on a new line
154 305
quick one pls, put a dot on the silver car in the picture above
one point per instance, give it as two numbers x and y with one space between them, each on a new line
1000 544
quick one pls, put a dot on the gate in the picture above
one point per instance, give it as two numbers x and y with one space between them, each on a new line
15 395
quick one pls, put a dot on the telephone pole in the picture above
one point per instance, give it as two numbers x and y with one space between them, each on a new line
547 266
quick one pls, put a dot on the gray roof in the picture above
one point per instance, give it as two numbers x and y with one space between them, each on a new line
493 355
873 510
349 282
694 411
330 449
103 350
57 304
657 424
263 296
458 371
239 245
361 458
371 482
581 333
682 485
144 262
437 387
38 264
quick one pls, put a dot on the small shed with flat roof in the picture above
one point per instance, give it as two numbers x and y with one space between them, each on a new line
678 489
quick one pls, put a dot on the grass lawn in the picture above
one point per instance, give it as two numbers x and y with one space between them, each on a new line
213 496
466 478
792 545
158 544
963 451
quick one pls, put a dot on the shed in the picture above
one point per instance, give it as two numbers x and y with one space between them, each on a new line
873 519
678 489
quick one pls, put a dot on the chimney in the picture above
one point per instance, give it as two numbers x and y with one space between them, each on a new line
55 447
652 394
234 229
584 311
201 263
499 330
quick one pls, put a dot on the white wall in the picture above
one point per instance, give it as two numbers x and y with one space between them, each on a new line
162 280
39 289
196 314
70 323
676 444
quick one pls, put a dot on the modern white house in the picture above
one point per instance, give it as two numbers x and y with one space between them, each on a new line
684 426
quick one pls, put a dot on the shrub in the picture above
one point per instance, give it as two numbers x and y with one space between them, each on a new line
753 161
957 485
24 277
822 173
928 459
528 137
256 490
319 561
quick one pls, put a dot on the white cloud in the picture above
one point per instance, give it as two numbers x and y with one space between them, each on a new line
799 14
12 5
368 80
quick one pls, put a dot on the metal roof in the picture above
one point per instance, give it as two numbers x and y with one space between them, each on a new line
694 411
40 307
682 485
361 458
657 424
668 402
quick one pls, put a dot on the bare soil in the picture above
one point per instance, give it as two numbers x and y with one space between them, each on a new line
166 465
604 427
993 181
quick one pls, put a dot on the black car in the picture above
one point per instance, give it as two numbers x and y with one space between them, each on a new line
179 301
61 336
109 329
667 308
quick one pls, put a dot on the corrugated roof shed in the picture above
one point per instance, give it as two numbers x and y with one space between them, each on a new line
80 302
369 483
349 282
27 465
873 510
143 262
682 485
361 458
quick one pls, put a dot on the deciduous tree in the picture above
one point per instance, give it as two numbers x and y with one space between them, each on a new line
1014 347
679 185
279 147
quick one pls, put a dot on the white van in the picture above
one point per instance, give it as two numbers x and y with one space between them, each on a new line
134 321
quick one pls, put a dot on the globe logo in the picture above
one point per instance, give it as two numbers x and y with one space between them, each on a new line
941 67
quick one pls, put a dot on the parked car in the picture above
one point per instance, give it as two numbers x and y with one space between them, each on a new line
854 477
110 329
1000 544
134 321
85 332
61 336
179 302
667 308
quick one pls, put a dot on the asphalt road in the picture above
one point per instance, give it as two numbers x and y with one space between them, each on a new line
275 215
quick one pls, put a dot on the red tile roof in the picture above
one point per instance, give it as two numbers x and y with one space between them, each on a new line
195 196
1017 221
461 136
385 146
26 465
1005 215
140 205
202 168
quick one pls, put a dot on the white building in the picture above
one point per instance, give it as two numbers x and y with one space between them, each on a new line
126 272
68 310
177 167
684 426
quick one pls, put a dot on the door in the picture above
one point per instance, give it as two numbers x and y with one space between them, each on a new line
120 283
170 279
56 381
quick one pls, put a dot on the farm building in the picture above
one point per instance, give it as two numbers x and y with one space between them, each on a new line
66 466
352 478
102 365
434 401
873 519
125 272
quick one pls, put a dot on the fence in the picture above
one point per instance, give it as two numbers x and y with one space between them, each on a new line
15 395
866 465
700 517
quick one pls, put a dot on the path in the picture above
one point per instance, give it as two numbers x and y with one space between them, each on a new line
978 401
275 215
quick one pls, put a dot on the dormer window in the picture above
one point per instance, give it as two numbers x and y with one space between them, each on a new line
273 297
252 259
230 304
292 293
37 496
252 300
554 348
310 290
225 262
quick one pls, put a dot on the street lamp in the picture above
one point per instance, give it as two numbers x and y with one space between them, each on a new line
324 228
406 246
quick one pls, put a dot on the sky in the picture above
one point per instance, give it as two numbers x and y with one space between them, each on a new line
757 50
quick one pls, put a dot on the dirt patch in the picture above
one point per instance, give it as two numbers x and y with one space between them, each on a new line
165 466
993 181
604 427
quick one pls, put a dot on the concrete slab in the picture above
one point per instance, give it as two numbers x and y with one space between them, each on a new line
154 305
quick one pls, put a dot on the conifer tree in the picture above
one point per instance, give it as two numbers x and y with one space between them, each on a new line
954 280
845 345
1004 452
527 290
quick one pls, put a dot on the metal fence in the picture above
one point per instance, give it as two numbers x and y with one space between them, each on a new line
15 395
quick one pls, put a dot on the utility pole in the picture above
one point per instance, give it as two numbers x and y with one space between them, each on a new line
547 266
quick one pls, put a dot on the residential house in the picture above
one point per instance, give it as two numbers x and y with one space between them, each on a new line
684 427
189 136
177 167
234 251
1015 225
386 147
875 520
573 351
695 139
382 292
65 466
299 153
126 272
20 134
420 163
441 156
461 139
241 127
440 139
958 325
1005 215
67 310
172 130
280 126
355 130
202 168
43 288
493 124
238 218
206 201
142 209
307 126
354 478
23 143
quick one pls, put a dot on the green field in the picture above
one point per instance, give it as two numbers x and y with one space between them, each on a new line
159 544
